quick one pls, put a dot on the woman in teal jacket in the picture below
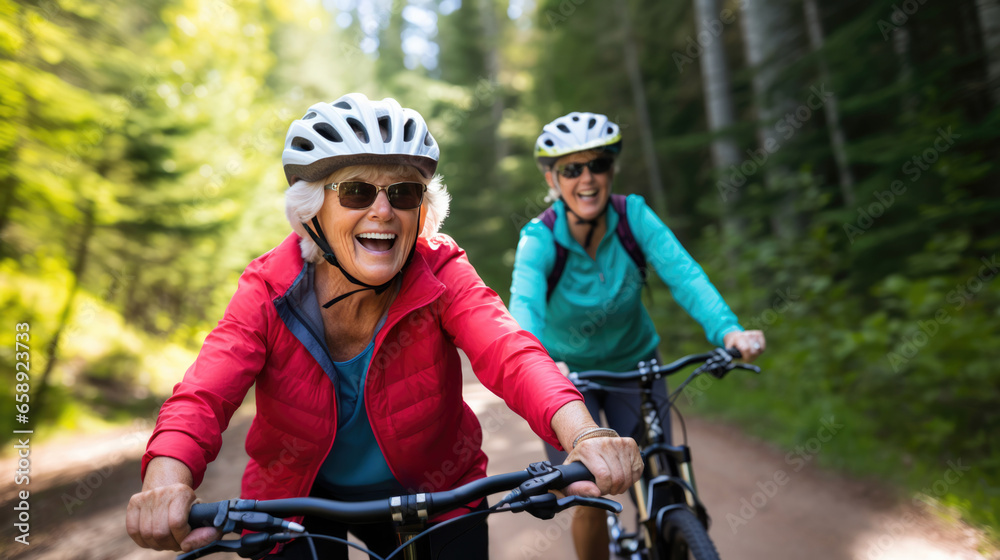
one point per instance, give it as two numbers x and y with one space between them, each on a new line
593 316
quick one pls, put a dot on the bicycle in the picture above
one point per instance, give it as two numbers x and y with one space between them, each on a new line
671 521
409 513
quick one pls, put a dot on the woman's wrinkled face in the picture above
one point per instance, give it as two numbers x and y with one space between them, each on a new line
587 194
372 243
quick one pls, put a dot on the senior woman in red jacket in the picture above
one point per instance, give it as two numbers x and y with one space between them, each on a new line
350 331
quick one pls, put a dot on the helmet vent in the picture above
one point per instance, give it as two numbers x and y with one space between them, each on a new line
428 139
327 131
578 118
408 130
591 123
563 127
359 129
549 143
342 105
610 130
309 115
383 127
301 144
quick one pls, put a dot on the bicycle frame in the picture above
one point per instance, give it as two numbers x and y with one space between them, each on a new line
668 482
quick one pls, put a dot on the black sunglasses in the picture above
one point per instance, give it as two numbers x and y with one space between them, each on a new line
596 166
358 194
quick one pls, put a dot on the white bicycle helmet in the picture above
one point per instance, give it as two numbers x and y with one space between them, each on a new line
576 132
356 131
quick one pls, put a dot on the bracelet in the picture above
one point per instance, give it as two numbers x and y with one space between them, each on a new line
595 432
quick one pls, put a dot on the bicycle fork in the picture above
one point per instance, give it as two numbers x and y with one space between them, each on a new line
668 479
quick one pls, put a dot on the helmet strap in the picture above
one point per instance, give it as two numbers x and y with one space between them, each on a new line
593 222
319 238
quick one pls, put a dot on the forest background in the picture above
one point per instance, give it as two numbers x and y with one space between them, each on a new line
832 165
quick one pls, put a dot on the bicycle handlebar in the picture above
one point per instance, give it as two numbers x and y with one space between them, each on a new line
717 360
234 515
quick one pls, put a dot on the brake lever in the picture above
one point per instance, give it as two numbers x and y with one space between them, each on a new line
747 367
258 521
546 506
588 501
581 384
246 547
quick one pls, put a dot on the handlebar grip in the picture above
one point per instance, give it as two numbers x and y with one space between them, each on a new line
205 515
734 353
574 472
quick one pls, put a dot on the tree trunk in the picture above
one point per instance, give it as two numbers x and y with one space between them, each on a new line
769 38
719 109
79 266
989 26
837 141
9 186
493 95
901 46
715 80
641 110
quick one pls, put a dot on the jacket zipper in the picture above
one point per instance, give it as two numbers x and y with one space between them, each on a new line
321 341
310 480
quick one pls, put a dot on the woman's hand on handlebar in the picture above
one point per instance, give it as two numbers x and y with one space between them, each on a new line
615 463
750 343
157 517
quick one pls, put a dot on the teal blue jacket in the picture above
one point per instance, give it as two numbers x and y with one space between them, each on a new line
596 319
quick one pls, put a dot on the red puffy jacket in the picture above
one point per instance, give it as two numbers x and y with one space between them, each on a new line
430 438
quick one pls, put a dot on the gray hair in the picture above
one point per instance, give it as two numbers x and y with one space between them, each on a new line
304 199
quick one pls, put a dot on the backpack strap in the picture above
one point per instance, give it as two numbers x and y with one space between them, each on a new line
625 235
548 217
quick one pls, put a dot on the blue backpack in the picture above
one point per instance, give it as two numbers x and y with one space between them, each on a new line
548 217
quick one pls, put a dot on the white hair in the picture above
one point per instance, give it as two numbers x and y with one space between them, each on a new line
304 199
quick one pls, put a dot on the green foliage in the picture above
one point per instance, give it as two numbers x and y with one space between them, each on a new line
162 124
863 307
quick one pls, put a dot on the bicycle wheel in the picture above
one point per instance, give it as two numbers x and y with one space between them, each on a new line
683 537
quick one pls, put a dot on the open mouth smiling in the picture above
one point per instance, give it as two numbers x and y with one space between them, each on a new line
376 242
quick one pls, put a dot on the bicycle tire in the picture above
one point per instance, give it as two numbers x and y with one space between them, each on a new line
683 537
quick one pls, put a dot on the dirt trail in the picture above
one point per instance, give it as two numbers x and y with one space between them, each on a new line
79 490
